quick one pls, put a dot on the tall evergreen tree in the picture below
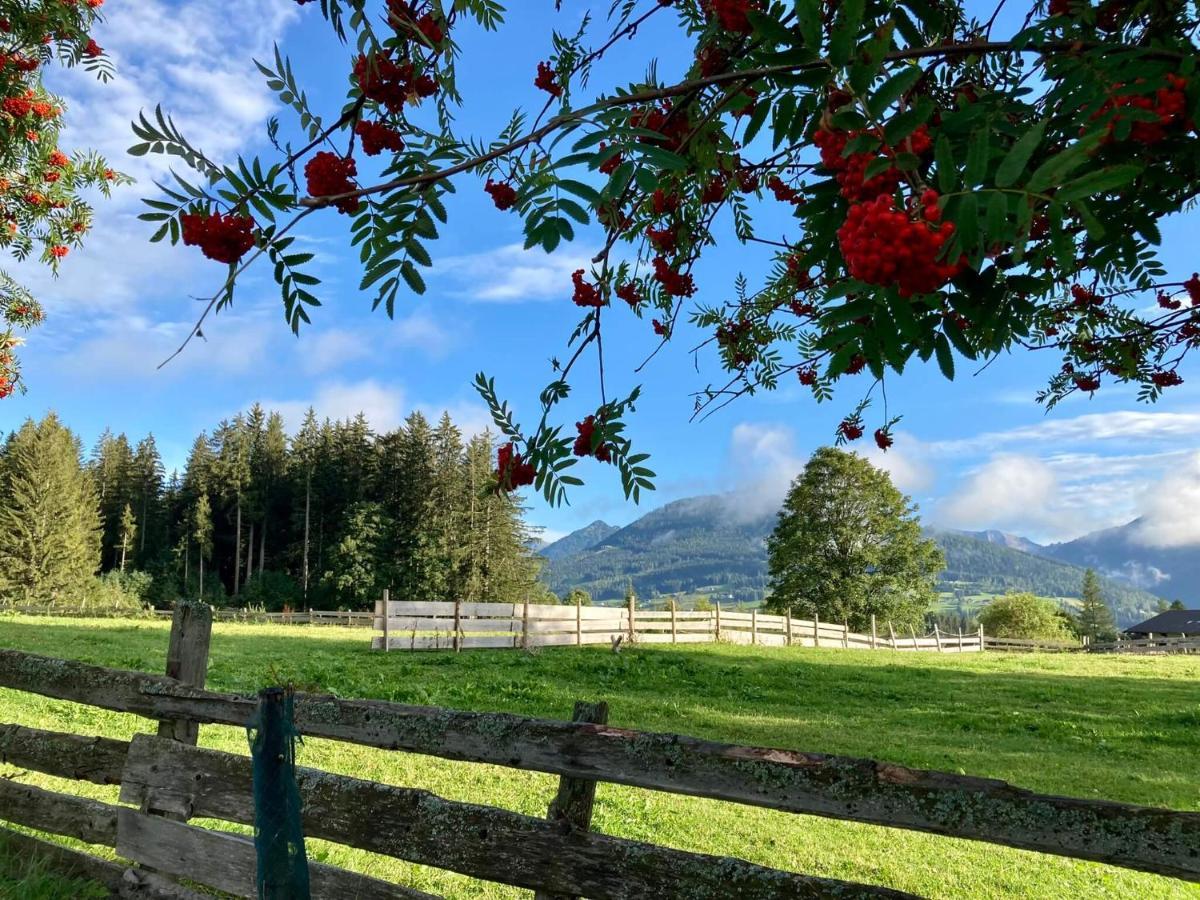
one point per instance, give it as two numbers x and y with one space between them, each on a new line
149 508
112 469
1095 620
232 475
128 537
305 451
202 532
49 517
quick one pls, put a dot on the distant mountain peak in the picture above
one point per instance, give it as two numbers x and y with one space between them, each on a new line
1005 539
579 540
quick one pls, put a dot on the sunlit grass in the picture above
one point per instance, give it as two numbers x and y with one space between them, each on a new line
1116 727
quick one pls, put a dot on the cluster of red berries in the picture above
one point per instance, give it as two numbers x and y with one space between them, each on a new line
1088 383
383 80
850 429
850 171
807 375
714 191
1169 378
585 294
377 137
586 439
674 284
663 119
19 62
883 438
731 336
610 165
1192 286
425 23
732 14
27 104
784 192
503 194
884 245
664 239
547 81
630 294
512 471
664 204
712 61
1168 104
329 175
225 238
1082 298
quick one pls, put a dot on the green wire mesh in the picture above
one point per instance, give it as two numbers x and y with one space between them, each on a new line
278 829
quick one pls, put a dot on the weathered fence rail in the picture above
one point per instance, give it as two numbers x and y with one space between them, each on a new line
435 625
176 779
1163 644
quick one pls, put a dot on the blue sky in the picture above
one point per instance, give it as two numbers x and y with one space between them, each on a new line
976 453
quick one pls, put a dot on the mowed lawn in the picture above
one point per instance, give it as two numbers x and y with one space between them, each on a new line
1122 728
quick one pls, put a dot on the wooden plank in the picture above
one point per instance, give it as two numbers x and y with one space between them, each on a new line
187 660
90 821
433 608
120 880
95 759
571 808
674 628
228 862
1154 840
479 841
387 620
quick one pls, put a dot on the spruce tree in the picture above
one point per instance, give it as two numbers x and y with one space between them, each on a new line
202 533
49 518
128 537
1095 620
112 469
302 464
149 507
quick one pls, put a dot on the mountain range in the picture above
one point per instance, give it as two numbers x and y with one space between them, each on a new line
701 545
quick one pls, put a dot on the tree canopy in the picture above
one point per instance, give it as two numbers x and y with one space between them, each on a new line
848 546
1095 619
1026 616
953 187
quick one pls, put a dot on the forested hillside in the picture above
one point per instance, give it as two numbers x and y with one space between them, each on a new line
329 516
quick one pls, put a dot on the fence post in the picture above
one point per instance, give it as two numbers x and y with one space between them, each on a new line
845 635
892 636
960 637
787 626
912 631
816 629
873 636
937 636
981 638
632 616
753 627
187 661
718 604
572 806
578 623
673 637
457 625
525 625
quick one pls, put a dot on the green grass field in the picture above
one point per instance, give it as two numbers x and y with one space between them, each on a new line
1121 728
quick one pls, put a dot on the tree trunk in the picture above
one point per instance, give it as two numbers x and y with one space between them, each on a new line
237 552
202 576
142 536
250 555
262 546
123 546
307 506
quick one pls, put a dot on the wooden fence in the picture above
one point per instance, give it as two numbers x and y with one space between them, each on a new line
1151 644
167 780
417 625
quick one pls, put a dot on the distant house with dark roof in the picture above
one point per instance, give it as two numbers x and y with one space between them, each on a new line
1171 622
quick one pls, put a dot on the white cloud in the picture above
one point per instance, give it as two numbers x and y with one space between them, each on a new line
383 405
1170 509
1011 492
904 462
1131 426
511 274
767 459
326 349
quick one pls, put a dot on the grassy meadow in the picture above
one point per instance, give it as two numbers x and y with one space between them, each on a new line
1120 728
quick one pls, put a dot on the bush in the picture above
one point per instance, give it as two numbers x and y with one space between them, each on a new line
119 593
1024 616
272 591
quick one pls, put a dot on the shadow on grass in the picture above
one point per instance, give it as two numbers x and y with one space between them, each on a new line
1087 726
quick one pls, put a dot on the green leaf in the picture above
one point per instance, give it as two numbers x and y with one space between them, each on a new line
1013 165
412 277
907 122
945 356
845 33
978 149
1098 182
947 172
892 90
1057 167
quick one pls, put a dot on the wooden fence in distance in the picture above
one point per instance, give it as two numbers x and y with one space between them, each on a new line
1160 644
168 780
418 625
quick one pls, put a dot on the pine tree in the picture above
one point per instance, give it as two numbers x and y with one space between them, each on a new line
305 449
202 532
49 517
148 498
1095 620
112 468
129 531
445 512
232 474
354 575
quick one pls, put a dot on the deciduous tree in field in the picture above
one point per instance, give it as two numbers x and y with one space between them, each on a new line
848 545
49 517
949 188
1024 616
